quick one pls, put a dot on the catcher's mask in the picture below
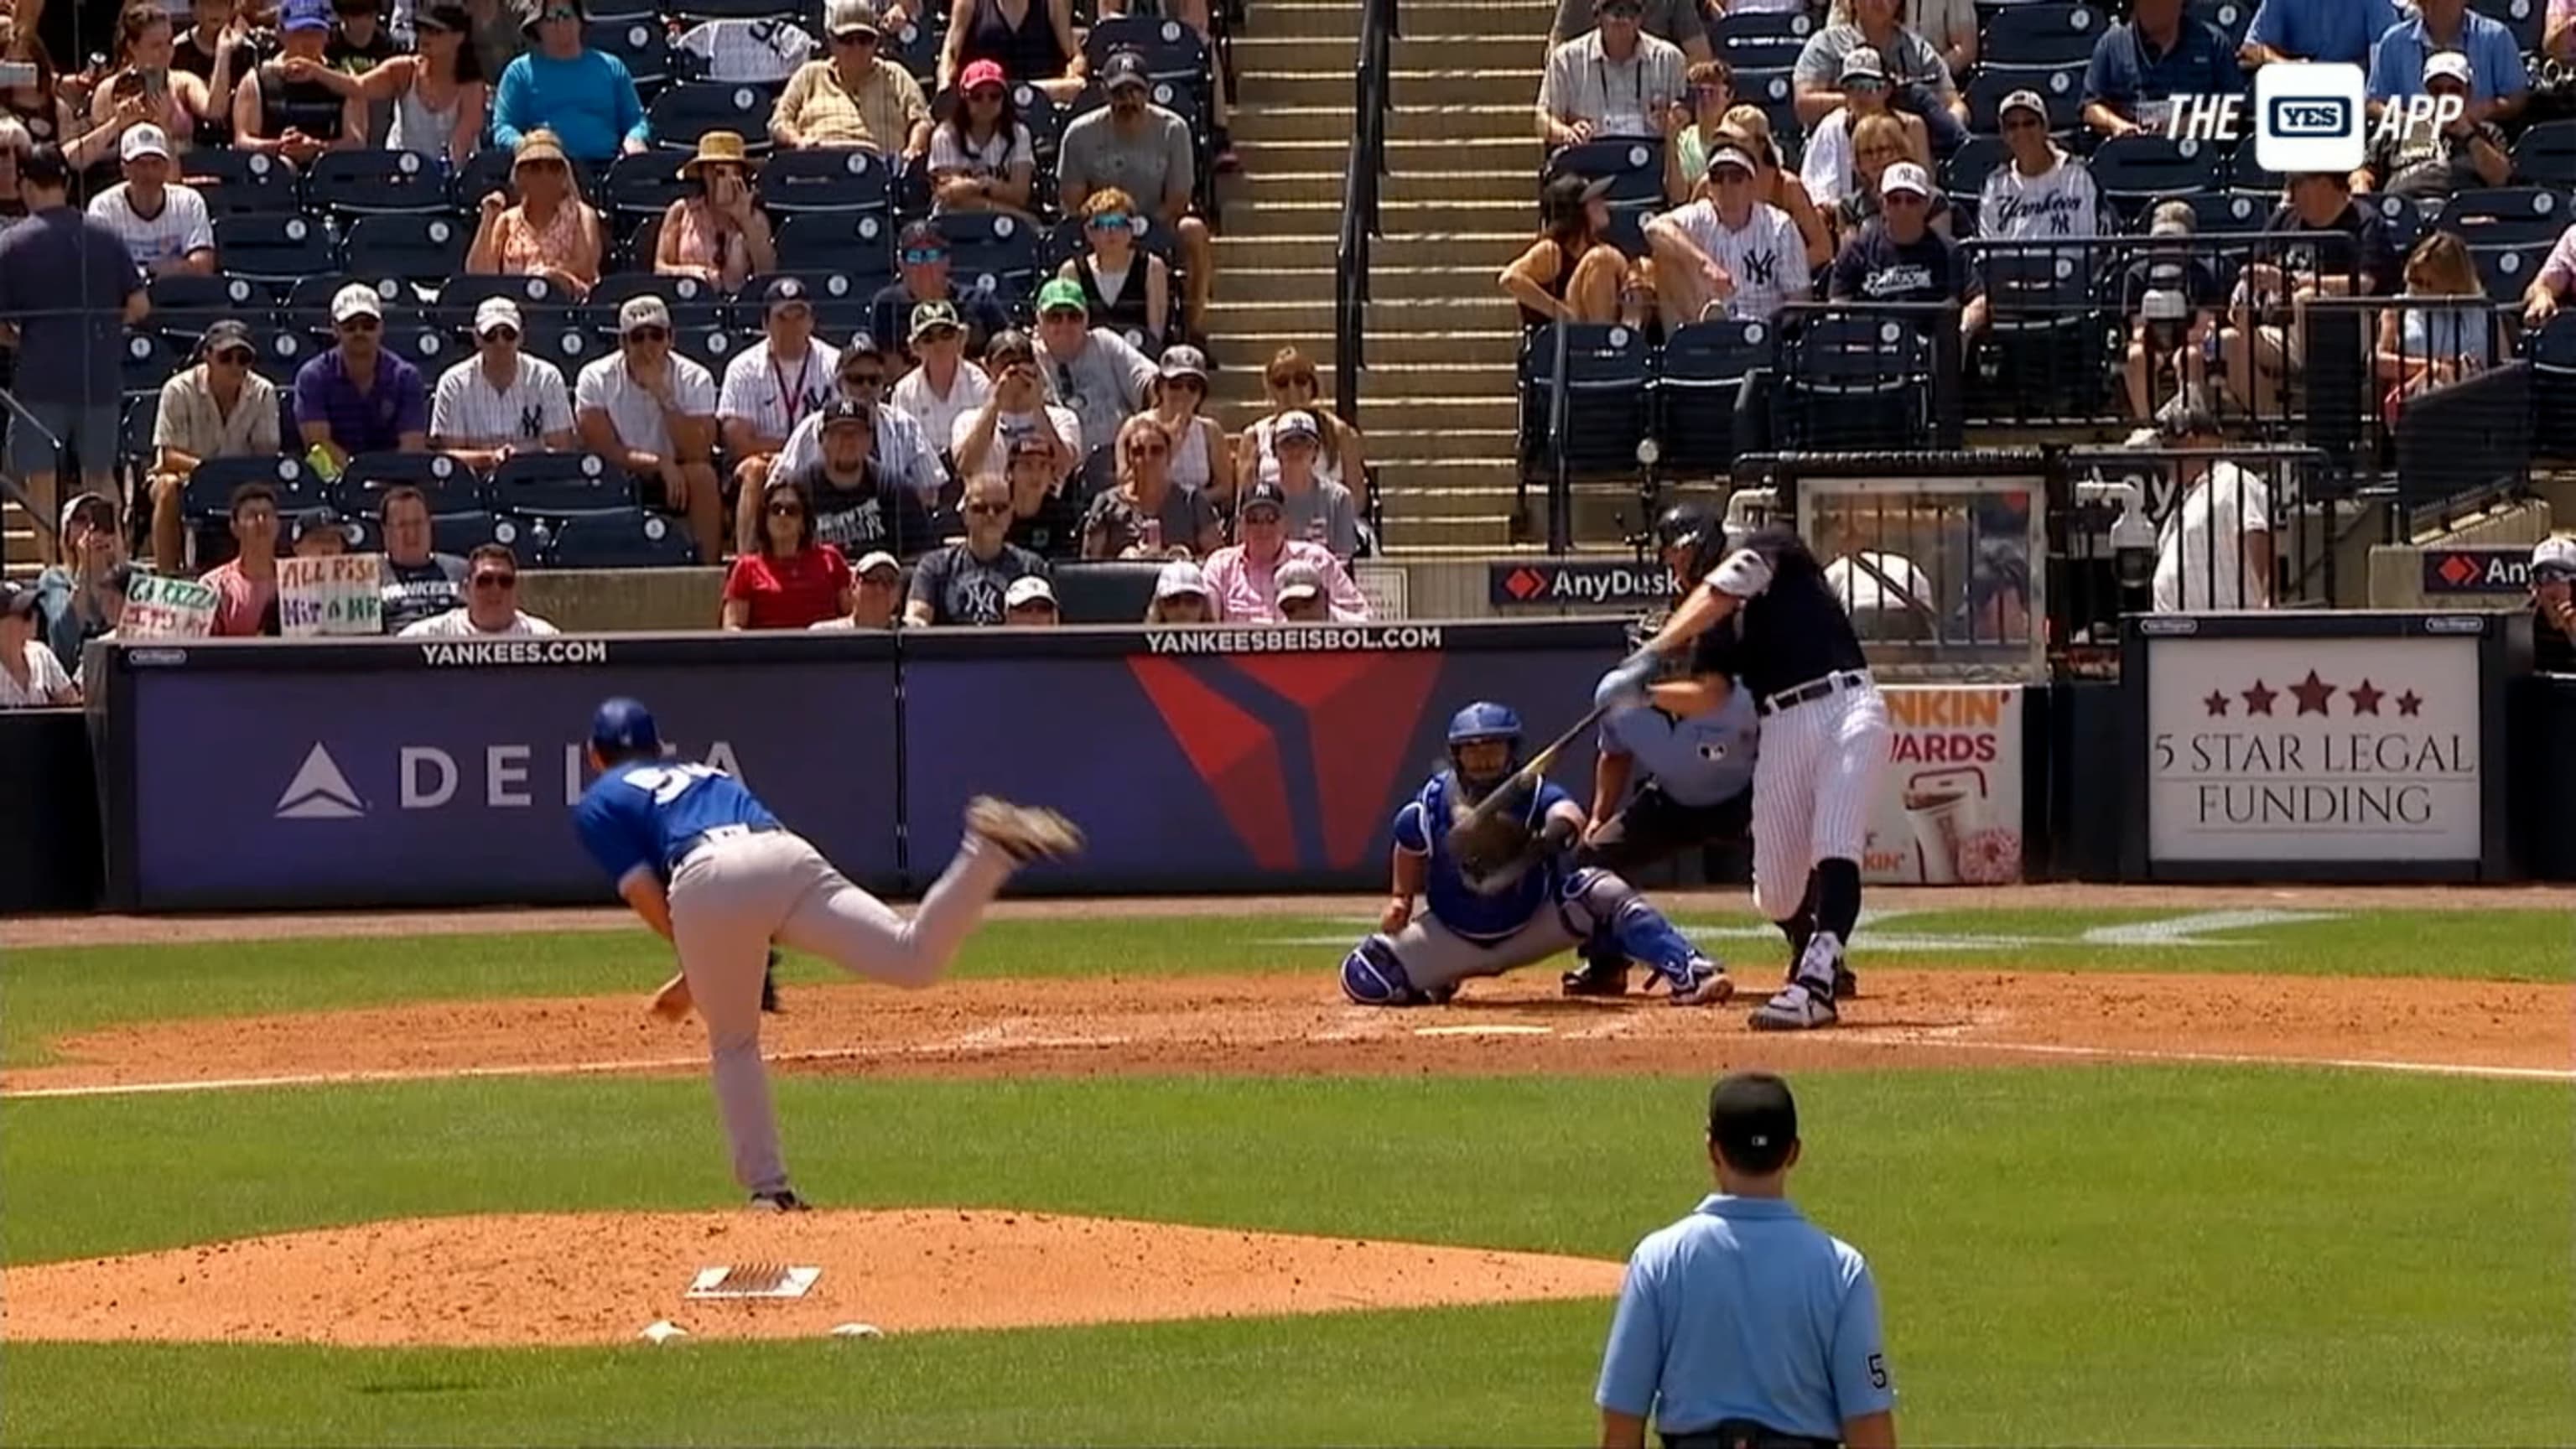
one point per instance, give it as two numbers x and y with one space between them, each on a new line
1480 723
1690 541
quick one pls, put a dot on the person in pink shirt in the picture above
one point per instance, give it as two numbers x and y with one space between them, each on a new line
247 585
1241 578
2549 290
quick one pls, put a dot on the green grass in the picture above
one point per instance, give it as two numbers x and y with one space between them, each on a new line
55 992
2252 1257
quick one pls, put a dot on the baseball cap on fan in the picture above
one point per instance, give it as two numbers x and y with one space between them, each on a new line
2449 65
1905 176
1753 1121
2553 560
1297 581
144 140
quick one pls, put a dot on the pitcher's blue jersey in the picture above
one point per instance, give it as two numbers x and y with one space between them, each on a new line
1422 828
646 814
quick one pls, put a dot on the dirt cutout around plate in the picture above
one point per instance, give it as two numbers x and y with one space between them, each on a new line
599 1278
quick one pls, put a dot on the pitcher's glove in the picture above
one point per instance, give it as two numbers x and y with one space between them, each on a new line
769 983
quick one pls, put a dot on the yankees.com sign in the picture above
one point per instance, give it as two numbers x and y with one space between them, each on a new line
2314 749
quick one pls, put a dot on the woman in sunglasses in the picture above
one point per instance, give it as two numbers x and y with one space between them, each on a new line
551 233
788 580
491 602
1198 444
718 235
1145 517
1127 288
1291 386
1830 168
981 156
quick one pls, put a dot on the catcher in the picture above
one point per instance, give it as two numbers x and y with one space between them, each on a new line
1499 890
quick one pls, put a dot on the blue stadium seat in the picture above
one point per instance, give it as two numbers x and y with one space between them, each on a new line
564 340
861 244
237 183
694 10
680 115
1963 178
2405 221
2506 215
185 304
991 245
2061 89
642 41
2547 153
425 345
1852 379
629 538
1045 120
1704 368
275 250
835 180
282 352
462 533
713 347
2246 174
2135 170
1760 40
413 248
2553 387
446 485
692 302
2522 17
366 183
459 295
1774 93
1609 372
2042 36
2507 270
2232 17
1173 52
641 249
1635 169
644 185
209 493
488 171
561 485
148 361
2045 335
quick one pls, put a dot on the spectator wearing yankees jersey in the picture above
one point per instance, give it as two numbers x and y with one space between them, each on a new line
966 582
1727 253
491 608
904 453
1919 81
787 579
2039 194
769 387
945 386
1751 130
1827 165
2140 64
1899 257
217 407
418 584
500 401
1572 273
857 506
163 223
1613 80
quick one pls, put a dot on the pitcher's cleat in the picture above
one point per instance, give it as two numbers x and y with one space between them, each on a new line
1025 832
1846 985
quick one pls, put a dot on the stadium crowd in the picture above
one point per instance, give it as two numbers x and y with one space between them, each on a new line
580 283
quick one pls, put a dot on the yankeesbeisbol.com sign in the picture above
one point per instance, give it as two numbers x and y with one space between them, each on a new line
320 786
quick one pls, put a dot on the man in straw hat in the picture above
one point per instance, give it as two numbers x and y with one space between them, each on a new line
855 97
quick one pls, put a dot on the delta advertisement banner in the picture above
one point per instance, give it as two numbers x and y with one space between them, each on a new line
1949 809
2315 749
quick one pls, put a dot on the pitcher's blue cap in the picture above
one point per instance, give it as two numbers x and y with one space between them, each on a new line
622 725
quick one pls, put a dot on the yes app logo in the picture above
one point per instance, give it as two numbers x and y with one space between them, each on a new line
2308 117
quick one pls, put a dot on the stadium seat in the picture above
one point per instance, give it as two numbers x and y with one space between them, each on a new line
488 171
561 485
992 249
628 538
425 345
2131 172
564 340
643 42
1774 93
691 301
713 347
1852 379
2044 335
2522 17
2507 270
237 183
639 251
840 304
1760 40
2061 89
1045 120
2553 387
185 304
2405 221
2232 17
690 11
209 493
1704 369
367 183
462 533
148 360
2042 36
826 180
459 295
445 483
1635 169
1173 52
644 185
427 249
680 115
1963 178
861 244
2547 152
2506 215
2247 175
1608 375
282 352
275 250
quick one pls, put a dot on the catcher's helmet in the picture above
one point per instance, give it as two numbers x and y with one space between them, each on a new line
1478 722
1690 540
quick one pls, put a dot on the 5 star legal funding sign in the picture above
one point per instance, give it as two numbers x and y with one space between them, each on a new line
2314 749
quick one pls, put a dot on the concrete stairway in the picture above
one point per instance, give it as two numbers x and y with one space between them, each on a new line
1436 404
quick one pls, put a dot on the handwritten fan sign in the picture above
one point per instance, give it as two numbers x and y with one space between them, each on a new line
334 594
158 606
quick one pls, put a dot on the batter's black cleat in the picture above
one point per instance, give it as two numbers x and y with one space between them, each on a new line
1025 832
784 1200
1846 985
1596 978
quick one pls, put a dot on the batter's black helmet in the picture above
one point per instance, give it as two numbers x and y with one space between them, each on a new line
1693 530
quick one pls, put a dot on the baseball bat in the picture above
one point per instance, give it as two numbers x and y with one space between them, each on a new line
1528 774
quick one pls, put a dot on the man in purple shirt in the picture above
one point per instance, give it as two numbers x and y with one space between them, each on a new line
357 397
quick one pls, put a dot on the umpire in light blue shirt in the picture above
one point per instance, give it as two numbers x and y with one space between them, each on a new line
1744 1326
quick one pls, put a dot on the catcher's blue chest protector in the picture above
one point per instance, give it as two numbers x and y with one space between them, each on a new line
1422 827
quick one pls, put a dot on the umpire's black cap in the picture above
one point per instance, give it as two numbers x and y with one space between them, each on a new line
1753 1120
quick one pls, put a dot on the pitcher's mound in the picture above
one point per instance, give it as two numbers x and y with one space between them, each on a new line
601 1277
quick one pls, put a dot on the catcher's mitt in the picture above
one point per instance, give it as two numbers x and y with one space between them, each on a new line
1488 850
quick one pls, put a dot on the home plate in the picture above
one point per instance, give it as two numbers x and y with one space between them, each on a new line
1482 1030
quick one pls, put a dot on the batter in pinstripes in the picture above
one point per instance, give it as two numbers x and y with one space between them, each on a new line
1766 618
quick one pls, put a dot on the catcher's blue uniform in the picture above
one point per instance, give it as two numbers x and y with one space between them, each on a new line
1463 932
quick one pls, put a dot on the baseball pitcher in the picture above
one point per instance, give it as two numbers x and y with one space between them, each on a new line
708 867
1498 889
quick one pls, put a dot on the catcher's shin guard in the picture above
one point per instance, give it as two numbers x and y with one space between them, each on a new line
1371 976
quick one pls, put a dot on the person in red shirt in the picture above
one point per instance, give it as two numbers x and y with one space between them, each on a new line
246 587
790 581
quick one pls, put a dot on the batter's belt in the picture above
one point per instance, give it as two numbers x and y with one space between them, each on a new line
1745 1434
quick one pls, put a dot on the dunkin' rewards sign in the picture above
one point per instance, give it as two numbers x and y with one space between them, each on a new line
1949 806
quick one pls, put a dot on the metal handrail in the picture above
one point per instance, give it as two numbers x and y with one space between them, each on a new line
1361 181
